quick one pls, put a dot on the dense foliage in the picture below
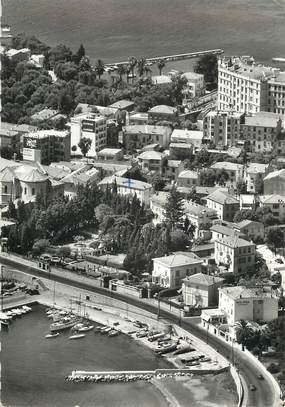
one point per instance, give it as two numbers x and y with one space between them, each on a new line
27 89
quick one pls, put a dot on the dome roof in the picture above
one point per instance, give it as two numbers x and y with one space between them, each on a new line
26 173
7 175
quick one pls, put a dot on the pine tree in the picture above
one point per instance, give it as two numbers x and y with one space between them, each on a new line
174 208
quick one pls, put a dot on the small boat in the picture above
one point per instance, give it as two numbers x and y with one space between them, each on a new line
4 323
184 349
28 309
64 323
77 336
48 336
77 327
106 329
113 332
166 348
97 329
17 311
86 328
11 314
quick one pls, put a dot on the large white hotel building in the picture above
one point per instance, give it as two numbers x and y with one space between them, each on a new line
244 86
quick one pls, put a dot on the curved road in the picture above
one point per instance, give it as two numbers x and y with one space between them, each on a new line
264 394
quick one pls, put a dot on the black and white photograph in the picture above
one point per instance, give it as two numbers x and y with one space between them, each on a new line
142 203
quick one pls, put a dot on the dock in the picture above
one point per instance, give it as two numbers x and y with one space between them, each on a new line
175 57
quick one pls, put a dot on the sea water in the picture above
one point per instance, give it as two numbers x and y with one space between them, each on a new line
33 368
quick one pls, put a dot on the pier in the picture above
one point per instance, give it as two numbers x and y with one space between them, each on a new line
135 375
176 57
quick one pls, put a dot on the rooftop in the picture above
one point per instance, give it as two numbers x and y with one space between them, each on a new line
27 173
151 155
272 199
187 134
256 168
225 230
163 109
122 104
275 174
262 119
145 129
222 198
228 166
44 114
161 79
239 292
203 279
246 67
41 134
188 174
176 260
110 151
160 198
174 163
192 76
234 242
126 183
246 222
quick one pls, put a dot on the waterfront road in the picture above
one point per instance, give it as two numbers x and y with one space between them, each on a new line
263 396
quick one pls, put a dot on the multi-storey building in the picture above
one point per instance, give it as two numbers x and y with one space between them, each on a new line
245 86
46 146
250 304
235 253
274 183
201 290
127 186
139 136
254 173
242 85
223 128
169 271
260 131
92 126
225 204
194 87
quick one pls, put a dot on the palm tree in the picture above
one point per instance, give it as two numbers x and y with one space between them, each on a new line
132 64
160 65
141 66
122 70
99 68
243 332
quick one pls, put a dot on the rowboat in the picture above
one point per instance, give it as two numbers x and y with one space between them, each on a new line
48 336
77 336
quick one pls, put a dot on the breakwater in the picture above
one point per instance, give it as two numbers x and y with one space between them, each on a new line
175 57
125 376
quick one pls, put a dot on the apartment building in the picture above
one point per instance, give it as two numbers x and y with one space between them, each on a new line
46 146
92 126
139 136
248 303
235 253
260 131
223 128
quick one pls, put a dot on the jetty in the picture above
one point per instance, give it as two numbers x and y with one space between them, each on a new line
175 57
78 376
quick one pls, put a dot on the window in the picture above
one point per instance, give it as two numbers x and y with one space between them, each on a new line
33 191
5 189
25 191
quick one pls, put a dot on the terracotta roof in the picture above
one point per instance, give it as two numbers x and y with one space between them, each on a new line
176 260
204 279
29 174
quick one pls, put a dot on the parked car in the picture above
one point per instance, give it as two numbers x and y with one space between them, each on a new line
260 377
252 387
280 261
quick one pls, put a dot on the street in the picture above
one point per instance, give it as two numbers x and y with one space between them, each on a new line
264 394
